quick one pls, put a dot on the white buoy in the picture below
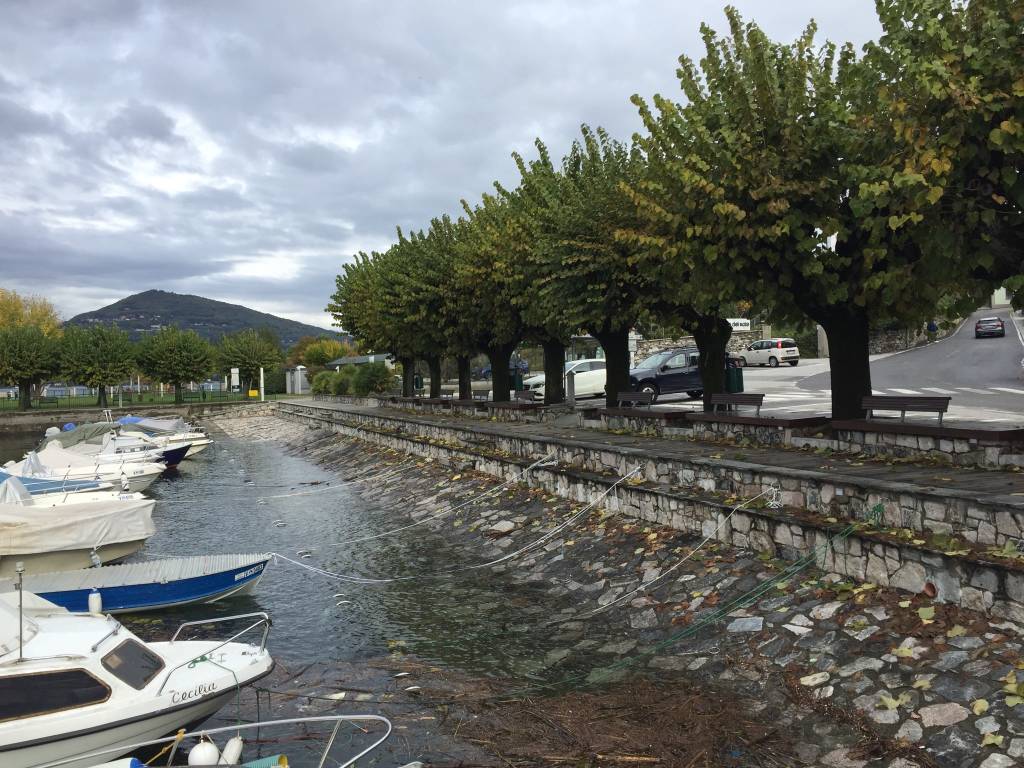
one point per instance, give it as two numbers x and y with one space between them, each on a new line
232 751
96 602
204 753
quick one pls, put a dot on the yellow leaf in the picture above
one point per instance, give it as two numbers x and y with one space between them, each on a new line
456 477
887 702
980 707
903 653
918 542
926 614
992 739
904 603
1013 701
923 684
956 631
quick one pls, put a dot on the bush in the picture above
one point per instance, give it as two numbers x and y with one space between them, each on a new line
322 383
372 377
339 383
348 372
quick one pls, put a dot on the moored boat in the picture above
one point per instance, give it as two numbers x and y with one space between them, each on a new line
56 463
72 685
149 585
59 533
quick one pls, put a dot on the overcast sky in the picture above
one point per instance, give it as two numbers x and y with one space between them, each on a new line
244 150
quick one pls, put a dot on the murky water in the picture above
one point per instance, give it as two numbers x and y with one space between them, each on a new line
223 501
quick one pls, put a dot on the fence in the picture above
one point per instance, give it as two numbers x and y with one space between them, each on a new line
133 398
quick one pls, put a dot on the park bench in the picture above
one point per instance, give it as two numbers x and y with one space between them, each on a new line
905 404
635 398
525 396
188 395
47 400
737 398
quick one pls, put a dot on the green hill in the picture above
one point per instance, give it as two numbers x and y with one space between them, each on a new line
148 311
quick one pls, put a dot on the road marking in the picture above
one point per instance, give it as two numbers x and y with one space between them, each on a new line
942 391
905 391
975 391
877 391
1011 390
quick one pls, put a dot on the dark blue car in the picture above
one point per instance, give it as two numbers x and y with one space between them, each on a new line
669 372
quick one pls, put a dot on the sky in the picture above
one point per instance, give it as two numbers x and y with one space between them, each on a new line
244 151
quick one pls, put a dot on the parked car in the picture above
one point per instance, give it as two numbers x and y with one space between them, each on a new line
771 352
989 326
588 378
668 372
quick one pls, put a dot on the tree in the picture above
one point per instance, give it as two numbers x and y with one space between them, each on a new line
248 351
317 354
586 275
16 309
174 356
784 182
954 80
98 356
27 355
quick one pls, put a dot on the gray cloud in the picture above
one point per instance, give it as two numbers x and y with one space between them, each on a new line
244 152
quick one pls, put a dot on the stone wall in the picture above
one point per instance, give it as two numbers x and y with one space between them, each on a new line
693 500
966 452
738 342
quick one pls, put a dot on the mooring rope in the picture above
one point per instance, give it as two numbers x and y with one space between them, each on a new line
354 579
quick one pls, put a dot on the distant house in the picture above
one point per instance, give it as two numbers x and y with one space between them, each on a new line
360 360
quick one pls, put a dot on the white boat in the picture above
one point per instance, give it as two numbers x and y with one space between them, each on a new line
234 736
59 533
56 463
168 432
103 443
76 684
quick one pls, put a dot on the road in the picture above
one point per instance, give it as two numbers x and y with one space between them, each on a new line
984 377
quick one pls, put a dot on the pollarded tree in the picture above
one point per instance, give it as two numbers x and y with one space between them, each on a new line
16 309
248 351
955 82
175 357
586 275
781 175
316 354
27 356
485 284
461 338
98 356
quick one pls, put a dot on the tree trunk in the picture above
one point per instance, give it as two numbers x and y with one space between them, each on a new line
178 400
465 378
408 373
554 372
25 394
434 364
848 333
501 381
616 352
712 335
101 396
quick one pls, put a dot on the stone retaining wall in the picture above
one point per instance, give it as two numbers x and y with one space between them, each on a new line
685 499
968 453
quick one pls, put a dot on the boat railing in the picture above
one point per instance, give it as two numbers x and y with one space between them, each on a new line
169 741
263 620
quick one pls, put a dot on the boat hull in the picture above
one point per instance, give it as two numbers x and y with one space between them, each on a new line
134 598
172 457
145 728
68 559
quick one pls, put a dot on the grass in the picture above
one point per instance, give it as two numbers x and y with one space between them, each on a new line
89 401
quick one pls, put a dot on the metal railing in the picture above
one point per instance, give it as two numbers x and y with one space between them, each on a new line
173 741
263 620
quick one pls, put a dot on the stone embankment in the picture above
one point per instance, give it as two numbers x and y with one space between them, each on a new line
882 676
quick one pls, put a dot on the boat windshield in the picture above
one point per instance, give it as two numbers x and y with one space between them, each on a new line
133 663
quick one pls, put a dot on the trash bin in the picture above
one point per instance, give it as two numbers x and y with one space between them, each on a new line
517 380
733 380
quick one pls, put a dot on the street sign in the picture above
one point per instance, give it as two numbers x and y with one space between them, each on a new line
739 323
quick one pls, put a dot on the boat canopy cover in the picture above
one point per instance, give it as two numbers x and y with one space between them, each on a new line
83 525
12 491
57 459
36 485
157 426
9 629
93 433
33 466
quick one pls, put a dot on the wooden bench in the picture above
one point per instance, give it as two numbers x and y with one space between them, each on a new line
737 398
525 396
188 395
635 398
48 400
905 403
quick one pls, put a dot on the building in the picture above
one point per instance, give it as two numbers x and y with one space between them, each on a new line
360 360
295 381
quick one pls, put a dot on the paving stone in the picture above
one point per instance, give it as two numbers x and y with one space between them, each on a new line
942 714
953 746
863 664
950 660
813 681
797 630
621 647
826 611
801 621
840 758
966 643
911 731
1016 748
753 624
987 724
861 635
964 690
998 761
644 619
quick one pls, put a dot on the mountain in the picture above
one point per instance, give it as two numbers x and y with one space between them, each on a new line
148 311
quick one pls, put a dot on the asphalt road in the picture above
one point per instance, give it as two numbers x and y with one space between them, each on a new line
972 371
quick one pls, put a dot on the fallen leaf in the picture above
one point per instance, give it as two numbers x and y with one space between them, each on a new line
956 631
903 653
1013 701
980 707
923 685
992 739
904 603
926 614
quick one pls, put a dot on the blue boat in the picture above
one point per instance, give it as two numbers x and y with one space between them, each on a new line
149 585
40 485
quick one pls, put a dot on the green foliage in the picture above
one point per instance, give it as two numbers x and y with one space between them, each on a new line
340 384
174 356
97 356
321 384
248 351
371 378
27 355
319 352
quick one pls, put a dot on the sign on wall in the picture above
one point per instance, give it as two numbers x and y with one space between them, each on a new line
739 323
